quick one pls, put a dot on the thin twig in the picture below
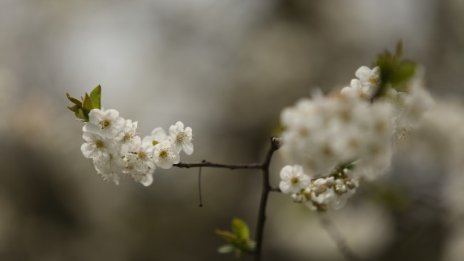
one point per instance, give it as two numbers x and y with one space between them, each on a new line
275 189
337 237
218 165
200 198
266 186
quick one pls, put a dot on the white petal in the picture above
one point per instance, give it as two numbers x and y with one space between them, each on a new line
147 180
286 173
188 148
87 150
95 116
188 132
175 158
112 113
363 72
284 187
158 133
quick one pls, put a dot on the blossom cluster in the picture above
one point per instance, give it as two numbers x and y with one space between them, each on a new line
319 193
409 103
115 148
334 141
326 132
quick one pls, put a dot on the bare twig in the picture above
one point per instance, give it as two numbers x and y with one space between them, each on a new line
218 165
266 187
337 237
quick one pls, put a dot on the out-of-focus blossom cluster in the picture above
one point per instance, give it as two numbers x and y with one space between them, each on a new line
334 141
115 148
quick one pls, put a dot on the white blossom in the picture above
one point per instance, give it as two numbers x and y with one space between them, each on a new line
109 166
412 104
139 161
165 154
181 137
94 146
327 193
368 77
157 136
365 85
106 123
128 132
293 179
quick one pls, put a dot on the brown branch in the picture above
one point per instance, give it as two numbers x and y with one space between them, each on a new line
266 187
208 164
337 237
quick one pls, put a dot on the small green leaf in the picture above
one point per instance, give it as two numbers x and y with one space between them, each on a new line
73 108
95 97
226 249
226 235
82 108
240 228
238 240
87 103
80 114
395 72
74 100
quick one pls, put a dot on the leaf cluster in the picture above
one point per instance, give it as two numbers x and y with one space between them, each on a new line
395 71
238 240
82 107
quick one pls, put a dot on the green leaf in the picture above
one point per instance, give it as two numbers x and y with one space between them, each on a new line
226 235
238 240
226 249
87 103
74 100
95 97
395 72
82 108
80 114
240 228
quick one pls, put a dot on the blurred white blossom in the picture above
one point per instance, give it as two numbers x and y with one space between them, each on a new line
326 132
348 135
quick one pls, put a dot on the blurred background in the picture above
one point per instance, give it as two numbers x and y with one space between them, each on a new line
226 68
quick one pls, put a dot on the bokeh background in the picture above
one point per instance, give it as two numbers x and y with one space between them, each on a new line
226 68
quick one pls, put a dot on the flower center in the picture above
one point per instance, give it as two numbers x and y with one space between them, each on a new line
141 155
105 124
373 80
163 154
127 136
154 142
99 144
180 137
295 180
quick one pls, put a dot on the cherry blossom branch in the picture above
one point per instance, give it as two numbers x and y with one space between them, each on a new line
337 237
266 186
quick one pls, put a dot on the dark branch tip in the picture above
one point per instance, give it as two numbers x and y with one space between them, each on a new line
276 143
